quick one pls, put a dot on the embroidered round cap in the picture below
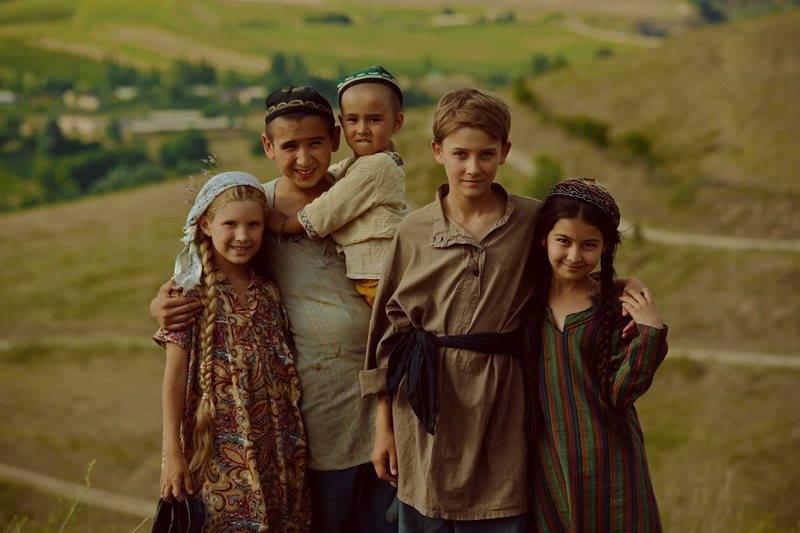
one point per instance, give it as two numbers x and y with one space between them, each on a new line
589 191
298 100
188 266
373 74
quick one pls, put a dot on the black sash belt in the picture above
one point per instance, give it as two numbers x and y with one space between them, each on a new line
414 357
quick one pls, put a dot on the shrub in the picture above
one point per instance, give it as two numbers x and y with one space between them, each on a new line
189 146
548 172
524 95
636 143
86 168
329 18
604 52
256 148
125 176
709 11
593 130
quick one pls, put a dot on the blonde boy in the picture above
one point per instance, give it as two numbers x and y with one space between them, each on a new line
364 207
444 346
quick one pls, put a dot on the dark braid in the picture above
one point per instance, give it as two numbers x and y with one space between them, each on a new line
608 310
607 306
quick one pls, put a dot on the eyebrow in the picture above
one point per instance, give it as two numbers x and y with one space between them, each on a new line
593 239
296 141
483 150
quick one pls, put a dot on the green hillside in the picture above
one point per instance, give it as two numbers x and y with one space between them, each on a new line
719 107
337 35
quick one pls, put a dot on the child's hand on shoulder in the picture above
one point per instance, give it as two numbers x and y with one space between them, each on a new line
275 220
640 306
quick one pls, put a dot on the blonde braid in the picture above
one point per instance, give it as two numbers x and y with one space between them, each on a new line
205 410
202 437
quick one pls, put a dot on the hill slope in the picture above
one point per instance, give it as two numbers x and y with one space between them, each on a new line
719 104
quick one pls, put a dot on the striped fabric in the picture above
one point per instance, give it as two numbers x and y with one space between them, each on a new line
587 476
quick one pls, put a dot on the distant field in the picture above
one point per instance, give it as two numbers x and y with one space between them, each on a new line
402 36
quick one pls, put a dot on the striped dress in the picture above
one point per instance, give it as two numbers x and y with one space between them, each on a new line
586 476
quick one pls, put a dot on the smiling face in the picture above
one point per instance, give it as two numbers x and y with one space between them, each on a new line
369 117
301 147
470 157
573 249
235 229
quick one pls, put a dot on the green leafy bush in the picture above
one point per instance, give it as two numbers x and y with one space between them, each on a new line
636 143
548 172
190 146
593 130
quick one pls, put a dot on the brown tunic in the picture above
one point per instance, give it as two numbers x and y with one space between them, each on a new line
438 278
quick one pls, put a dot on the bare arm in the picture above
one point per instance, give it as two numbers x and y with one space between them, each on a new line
176 479
384 452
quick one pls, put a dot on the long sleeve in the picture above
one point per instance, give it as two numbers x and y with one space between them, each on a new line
641 358
387 318
360 189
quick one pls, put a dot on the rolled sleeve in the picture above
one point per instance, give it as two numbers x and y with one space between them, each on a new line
182 338
372 381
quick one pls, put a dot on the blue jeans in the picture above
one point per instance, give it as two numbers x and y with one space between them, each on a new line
411 521
350 500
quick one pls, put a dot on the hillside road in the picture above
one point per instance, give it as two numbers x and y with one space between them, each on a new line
523 163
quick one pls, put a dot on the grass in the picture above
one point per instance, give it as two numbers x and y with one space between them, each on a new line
716 102
761 209
401 37
15 55
719 442
30 511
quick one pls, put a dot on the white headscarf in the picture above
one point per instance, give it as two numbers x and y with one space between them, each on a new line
188 266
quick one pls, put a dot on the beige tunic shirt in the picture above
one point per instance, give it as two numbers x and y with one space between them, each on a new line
361 211
438 278
328 321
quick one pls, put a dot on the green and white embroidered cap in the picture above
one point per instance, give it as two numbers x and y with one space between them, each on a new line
373 74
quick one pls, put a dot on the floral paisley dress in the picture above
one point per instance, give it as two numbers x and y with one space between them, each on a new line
256 479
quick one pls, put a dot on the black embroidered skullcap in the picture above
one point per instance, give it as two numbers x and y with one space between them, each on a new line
589 191
373 74
306 100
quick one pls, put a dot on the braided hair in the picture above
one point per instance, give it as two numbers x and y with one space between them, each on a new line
204 418
607 306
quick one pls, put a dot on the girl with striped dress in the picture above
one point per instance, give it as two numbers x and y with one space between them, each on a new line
589 463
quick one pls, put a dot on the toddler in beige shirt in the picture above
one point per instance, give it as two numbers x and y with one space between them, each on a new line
363 208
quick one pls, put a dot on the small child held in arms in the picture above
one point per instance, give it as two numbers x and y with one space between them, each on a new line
444 344
362 210
232 427
589 462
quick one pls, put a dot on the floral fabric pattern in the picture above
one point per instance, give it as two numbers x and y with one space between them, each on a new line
255 480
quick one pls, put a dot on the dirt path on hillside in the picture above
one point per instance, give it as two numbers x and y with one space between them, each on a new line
73 491
522 162
620 37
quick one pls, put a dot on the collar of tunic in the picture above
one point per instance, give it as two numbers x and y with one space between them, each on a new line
445 232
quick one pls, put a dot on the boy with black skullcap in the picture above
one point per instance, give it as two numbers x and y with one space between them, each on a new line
364 207
328 321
